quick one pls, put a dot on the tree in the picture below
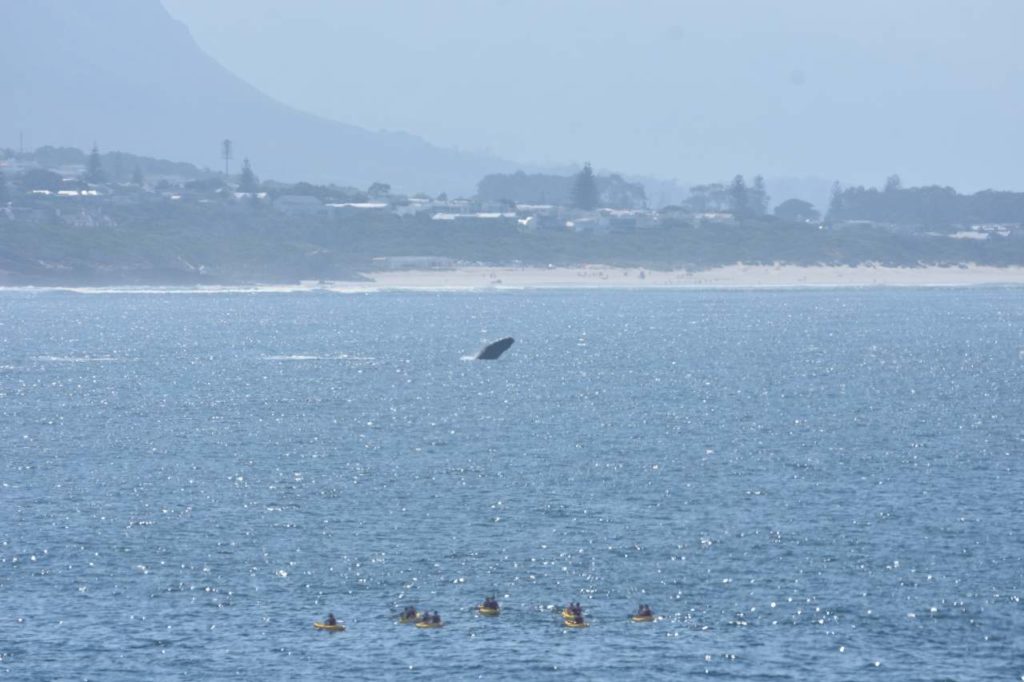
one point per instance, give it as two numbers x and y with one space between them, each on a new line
739 197
94 167
42 179
584 189
705 198
615 192
759 197
835 201
227 153
249 182
379 190
893 183
796 210
137 178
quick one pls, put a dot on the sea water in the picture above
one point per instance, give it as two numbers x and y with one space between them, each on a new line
803 485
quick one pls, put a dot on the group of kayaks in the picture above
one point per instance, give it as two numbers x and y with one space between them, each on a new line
421 619
572 616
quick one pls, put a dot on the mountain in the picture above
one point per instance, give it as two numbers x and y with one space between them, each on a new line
126 75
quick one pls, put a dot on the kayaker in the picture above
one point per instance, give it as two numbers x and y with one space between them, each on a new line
331 620
436 618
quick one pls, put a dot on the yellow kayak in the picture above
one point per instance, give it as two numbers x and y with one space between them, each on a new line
570 624
484 611
330 628
642 619
429 625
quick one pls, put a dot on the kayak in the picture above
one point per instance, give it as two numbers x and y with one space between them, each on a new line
570 624
566 613
330 628
484 611
429 625
642 619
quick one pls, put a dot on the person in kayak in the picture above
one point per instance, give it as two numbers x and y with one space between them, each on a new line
330 620
490 603
436 618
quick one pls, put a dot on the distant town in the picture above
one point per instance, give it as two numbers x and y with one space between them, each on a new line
69 215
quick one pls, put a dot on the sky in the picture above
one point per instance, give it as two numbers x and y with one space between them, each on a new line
698 91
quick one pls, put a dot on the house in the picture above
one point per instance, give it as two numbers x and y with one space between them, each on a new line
414 206
595 223
473 216
716 218
352 207
544 222
413 262
625 220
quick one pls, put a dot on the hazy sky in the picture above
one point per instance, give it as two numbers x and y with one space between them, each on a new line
930 89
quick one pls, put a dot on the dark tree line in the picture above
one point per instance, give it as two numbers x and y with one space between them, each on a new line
116 166
742 200
612 191
924 206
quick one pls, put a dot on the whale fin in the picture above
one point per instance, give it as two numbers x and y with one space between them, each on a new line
493 351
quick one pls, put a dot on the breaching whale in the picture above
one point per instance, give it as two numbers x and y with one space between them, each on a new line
493 351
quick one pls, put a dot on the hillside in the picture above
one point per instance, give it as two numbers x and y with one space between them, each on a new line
125 75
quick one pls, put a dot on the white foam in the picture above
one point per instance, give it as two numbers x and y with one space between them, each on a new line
70 358
302 358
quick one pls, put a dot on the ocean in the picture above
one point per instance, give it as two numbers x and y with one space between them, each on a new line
803 484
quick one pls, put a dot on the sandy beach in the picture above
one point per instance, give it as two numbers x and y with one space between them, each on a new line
483 278
738 276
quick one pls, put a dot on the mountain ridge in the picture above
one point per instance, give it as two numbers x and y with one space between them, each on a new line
125 74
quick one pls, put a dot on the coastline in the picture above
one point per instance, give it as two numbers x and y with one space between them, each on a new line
505 278
736 276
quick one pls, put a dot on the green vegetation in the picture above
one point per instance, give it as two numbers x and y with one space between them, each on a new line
94 168
172 242
194 226
737 198
539 188
118 166
248 182
933 206
584 190
796 210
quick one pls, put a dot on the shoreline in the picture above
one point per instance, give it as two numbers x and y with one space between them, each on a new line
591 277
